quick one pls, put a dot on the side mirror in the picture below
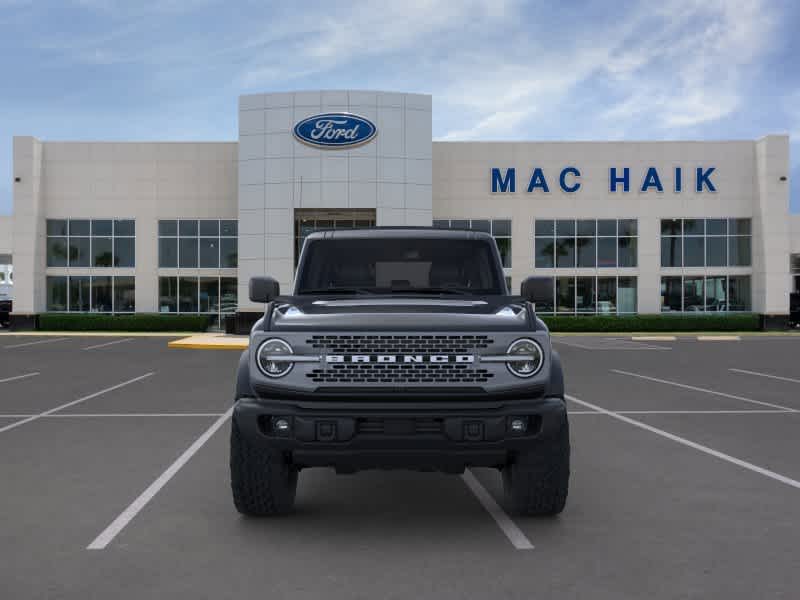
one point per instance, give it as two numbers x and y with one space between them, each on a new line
528 288
264 289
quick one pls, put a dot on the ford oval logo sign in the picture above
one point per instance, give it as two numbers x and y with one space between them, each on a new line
335 130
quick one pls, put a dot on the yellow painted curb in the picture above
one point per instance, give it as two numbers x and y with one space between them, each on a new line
654 338
210 342
718 338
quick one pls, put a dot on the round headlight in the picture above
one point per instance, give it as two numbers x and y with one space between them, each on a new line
266 354
528 358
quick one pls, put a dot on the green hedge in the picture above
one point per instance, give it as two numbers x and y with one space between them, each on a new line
135 322
731 322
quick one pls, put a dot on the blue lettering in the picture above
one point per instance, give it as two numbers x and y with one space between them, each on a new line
625 180
507 184
562 180
538 181
652 180
678 180
703 179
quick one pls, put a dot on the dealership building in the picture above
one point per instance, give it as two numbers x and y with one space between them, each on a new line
611 227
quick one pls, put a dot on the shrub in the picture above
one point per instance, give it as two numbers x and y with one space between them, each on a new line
633 323
133 322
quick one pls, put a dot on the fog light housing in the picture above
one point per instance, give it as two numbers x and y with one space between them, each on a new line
281 425
518 424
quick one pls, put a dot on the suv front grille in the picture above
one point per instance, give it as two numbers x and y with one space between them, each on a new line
399 373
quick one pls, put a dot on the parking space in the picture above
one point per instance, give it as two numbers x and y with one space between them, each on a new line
683 485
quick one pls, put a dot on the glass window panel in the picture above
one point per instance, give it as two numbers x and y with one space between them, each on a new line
124 294
57 252
693 252
56 227
606 252
229 253
585 300
79 227
794 263
565 227
125 252
627 294
187 228
716 299
102 252
565 252
167 294
501 227
228 294
545 253
545 227
80 294
565 294
229 228
671 227
627 252
209 253
360 224
459 224
188 253
482 225
739 226
693 294
739 293
167 228
606 227
209 294
102 294
187 294
671 252
126 227
209 228
102 227
628 228
348 224
56 293
739 251
168 253
716 251
79 252
543 292
587 227
504 246
671 294
606 295
694 226
716 226
441 224
587 250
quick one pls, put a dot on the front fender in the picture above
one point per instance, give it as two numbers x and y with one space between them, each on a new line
243 387
555 385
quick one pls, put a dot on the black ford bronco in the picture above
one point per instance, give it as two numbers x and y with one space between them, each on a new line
399 348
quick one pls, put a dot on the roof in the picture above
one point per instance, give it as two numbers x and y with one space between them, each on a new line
398 232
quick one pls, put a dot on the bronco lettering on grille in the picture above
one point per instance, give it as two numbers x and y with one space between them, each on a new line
400 358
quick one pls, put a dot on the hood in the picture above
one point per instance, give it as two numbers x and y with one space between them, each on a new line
489 313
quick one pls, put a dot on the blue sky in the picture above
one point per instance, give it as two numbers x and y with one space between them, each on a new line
172 69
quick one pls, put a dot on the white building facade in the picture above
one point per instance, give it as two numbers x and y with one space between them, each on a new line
611 227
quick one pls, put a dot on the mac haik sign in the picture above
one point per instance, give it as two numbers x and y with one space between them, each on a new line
620 179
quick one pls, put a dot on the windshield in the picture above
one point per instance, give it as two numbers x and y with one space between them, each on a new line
397 265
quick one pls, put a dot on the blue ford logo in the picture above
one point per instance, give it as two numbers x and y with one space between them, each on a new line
335 130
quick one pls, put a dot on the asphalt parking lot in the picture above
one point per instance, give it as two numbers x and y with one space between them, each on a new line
685 484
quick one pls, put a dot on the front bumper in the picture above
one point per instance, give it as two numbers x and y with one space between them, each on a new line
445 436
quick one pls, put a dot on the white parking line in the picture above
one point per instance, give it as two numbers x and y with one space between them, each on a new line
632 346
115 415
753 411
699 447
48 341
73 403
108 344
778 377
507 526
704 390
125 517
16 377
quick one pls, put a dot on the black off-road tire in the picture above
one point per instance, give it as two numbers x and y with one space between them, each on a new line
537 482
262 481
